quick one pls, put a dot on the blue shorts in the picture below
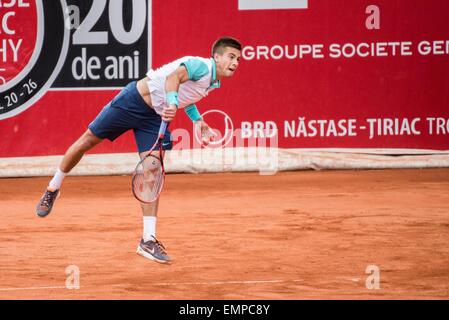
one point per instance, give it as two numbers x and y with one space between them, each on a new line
129 111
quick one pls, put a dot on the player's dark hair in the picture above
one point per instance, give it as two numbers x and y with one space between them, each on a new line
224 42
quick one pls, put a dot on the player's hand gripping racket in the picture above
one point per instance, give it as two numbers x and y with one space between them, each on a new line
148 177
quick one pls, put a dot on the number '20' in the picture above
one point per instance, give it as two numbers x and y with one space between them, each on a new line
84 34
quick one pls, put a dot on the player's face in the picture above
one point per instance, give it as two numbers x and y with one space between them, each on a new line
227 62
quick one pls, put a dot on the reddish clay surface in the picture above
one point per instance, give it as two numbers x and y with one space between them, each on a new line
294 235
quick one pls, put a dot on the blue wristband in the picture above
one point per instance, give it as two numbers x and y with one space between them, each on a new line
193 113
172 98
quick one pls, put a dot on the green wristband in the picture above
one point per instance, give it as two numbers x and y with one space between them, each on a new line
193 113
172 98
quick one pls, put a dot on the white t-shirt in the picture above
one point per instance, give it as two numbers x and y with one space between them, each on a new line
202 80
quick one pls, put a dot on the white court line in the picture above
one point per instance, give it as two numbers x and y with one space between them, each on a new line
213 283
425 293
162 284
33 288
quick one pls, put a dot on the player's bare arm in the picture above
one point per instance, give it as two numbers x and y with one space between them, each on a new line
172 84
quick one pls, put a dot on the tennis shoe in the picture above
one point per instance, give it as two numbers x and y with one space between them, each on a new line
153 250
46 203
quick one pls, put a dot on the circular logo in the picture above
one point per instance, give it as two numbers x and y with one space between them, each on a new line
32 56
222 126
19 35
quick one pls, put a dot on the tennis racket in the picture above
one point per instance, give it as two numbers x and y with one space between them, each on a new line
149 175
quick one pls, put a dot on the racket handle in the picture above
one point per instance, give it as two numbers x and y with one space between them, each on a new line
162 129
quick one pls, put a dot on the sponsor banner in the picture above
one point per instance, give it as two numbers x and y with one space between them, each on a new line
109 43
314 74
31 58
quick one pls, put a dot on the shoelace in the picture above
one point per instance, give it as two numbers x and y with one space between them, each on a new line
47 197
159 244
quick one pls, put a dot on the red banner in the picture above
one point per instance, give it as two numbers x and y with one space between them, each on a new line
318 74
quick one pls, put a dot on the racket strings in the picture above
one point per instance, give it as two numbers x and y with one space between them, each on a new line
148 180
157 184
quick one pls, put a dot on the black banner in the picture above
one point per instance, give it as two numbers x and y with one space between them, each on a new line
49 54
109 43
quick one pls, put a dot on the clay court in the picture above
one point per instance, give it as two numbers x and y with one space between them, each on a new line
293 235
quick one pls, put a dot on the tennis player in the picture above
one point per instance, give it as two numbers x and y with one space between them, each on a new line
140 106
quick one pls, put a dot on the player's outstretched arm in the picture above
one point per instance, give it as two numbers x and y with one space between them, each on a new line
207 134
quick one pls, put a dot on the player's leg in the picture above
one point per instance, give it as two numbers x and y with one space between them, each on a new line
111 122
149 211
71 158
149 247
77 150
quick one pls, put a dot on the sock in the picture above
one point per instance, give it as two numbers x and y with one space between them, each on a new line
149 227
56 182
